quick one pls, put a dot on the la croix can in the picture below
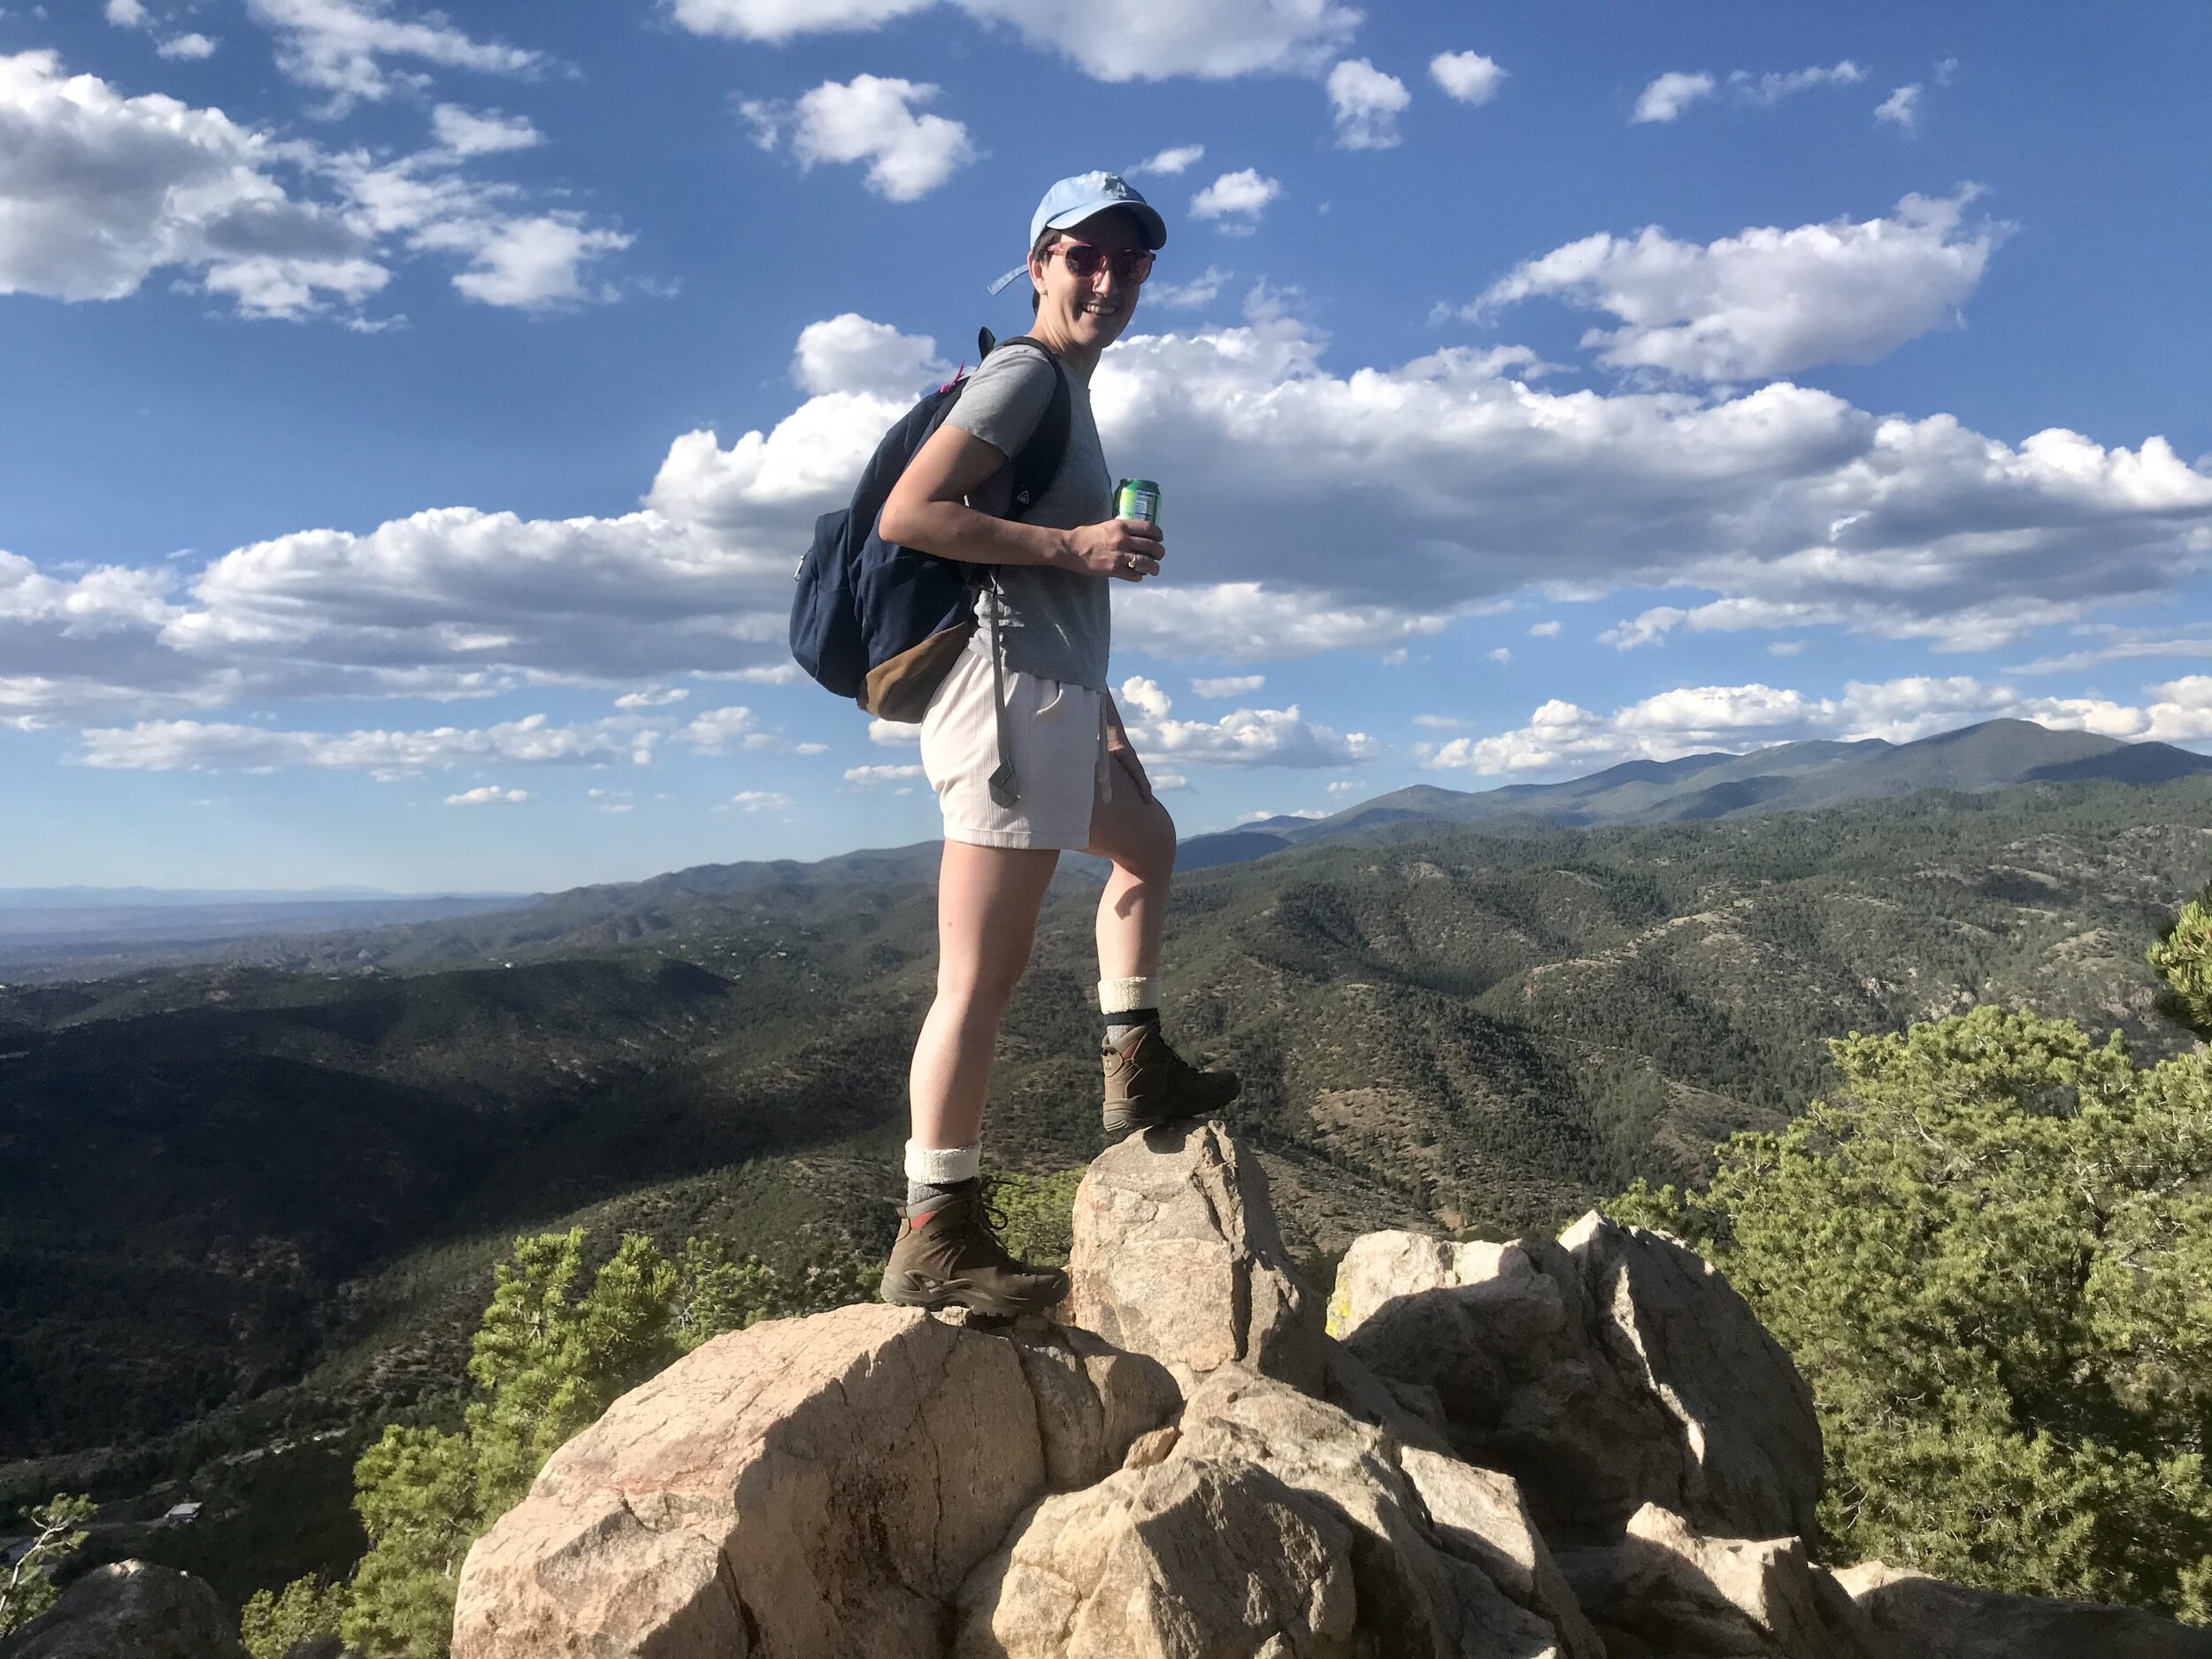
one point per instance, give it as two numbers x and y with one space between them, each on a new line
1137 498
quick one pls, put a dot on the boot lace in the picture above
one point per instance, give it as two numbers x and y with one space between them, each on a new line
981 1221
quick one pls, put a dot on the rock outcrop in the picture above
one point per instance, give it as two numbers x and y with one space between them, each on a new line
1664 1589
130 1609
1576 1448
1178 1255
1131 1568
1608 1369
1929 1619
807 1487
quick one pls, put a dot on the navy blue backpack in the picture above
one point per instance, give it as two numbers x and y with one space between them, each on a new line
884 625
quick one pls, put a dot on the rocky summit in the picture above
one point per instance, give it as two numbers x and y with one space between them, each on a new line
1580 1448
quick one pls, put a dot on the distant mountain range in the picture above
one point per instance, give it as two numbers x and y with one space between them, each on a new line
1785 778
82 931
62 917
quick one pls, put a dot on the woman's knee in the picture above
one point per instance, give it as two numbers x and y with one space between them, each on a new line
985 984
1150 854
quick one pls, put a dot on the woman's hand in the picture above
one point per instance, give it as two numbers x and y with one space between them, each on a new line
1128 549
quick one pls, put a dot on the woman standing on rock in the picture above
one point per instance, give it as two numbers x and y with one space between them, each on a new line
1026 750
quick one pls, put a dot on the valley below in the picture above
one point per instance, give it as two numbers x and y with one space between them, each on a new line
248 1206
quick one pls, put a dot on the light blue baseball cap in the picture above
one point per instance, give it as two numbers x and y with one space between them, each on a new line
1071 201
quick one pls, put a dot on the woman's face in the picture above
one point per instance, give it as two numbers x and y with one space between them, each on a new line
1088 312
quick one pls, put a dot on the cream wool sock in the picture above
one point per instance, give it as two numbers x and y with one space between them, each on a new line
937 1175
1129 1004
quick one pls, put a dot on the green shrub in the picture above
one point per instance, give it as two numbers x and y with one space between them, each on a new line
57 1530
2183 957
548 1358
1990 1254
1039 1212
273 1623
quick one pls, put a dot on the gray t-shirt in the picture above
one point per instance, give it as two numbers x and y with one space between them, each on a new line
1056 624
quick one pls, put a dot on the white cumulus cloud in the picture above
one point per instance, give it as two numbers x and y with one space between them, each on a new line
1313 509
1166 163
1236 199
1146 697
190 49
487 795
1767 301
1138 40
341 47
876 777
1247 621
1202 291
102 190
174 745
1228 685
869 119
1366 103
849 353
1256 737
1469 77
1245 737
1668 94
1768 91
481 133
1565 736
538 264
717 731
99 190
1901 108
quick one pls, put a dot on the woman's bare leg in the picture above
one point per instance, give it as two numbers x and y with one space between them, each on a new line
988 902
1148 1083
1138 836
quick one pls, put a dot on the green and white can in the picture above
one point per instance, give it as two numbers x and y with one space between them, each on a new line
1137 498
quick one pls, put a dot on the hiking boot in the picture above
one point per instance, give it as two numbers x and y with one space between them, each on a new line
952 1258
1148 1084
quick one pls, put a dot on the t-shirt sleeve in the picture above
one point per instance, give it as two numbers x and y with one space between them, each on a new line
1005 398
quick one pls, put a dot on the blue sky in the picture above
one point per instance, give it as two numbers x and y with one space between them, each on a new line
413 417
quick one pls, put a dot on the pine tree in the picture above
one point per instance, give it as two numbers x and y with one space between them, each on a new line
548 1365
1990 1254
547 1360
57 1530
2183 958
273 1623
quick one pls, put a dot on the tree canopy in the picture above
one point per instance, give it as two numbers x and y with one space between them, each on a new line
1989 1251
548 1358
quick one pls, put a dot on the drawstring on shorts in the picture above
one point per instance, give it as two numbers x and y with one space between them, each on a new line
1005 783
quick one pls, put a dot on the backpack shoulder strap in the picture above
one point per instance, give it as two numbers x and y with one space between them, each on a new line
1038 462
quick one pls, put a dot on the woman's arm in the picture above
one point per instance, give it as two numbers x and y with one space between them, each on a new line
926 511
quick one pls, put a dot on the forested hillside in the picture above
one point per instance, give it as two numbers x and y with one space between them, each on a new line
240 1202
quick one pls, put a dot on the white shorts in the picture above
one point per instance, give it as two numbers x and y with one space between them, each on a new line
1057 736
